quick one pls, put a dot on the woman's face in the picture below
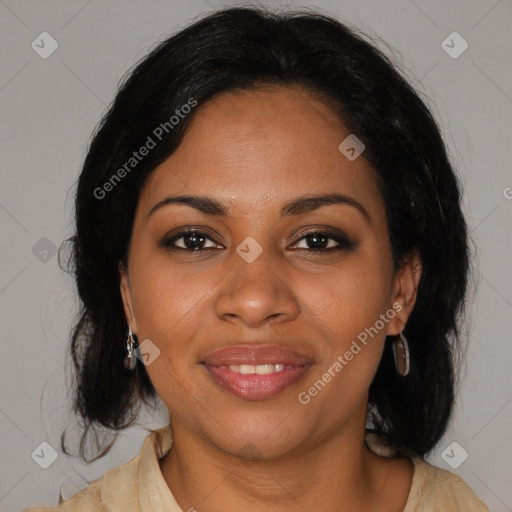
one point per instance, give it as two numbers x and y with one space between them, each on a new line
252 284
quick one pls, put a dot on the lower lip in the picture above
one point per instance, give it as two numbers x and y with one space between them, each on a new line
254 386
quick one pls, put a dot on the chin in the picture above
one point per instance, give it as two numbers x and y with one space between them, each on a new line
256 433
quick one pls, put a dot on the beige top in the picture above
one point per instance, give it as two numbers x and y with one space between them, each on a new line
138 486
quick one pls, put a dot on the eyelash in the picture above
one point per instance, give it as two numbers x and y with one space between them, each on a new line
343 242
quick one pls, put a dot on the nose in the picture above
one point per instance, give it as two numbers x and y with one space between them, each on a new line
256 293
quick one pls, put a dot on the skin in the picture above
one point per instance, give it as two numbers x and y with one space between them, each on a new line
253 151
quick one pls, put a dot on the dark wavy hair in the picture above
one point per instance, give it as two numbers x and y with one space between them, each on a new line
242 49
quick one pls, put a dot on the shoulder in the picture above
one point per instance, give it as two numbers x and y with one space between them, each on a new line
432 489
87 500
436 490
124 488
117 489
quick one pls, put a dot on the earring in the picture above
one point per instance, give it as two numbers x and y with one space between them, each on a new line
401 354
130 360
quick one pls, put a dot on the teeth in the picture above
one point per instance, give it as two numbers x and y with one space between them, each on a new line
260 369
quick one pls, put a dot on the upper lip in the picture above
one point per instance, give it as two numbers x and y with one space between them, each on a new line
255 354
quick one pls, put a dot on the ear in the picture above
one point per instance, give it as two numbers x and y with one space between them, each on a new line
405 289
126 297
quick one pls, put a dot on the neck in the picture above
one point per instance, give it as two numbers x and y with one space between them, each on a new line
339 472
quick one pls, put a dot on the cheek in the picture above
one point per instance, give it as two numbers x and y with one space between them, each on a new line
350 301
168 305
171 304
350 306
350 298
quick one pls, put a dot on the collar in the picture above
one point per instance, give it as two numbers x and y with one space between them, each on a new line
139 485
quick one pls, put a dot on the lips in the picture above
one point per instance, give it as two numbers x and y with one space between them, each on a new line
256 372
255 355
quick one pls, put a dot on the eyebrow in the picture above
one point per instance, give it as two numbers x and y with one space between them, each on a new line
298 206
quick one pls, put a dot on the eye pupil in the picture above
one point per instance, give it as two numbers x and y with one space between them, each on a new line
319 241
192 239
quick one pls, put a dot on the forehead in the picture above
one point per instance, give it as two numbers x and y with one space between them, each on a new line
248 147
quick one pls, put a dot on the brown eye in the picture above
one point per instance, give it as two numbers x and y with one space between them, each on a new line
322 241
189 240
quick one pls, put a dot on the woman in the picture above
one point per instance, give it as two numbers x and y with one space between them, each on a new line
269 239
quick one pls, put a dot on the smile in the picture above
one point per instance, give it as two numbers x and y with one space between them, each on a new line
255 372
259 381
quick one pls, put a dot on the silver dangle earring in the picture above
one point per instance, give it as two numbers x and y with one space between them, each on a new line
130 360
401 354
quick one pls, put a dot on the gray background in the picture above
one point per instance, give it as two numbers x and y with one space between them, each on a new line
49 108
